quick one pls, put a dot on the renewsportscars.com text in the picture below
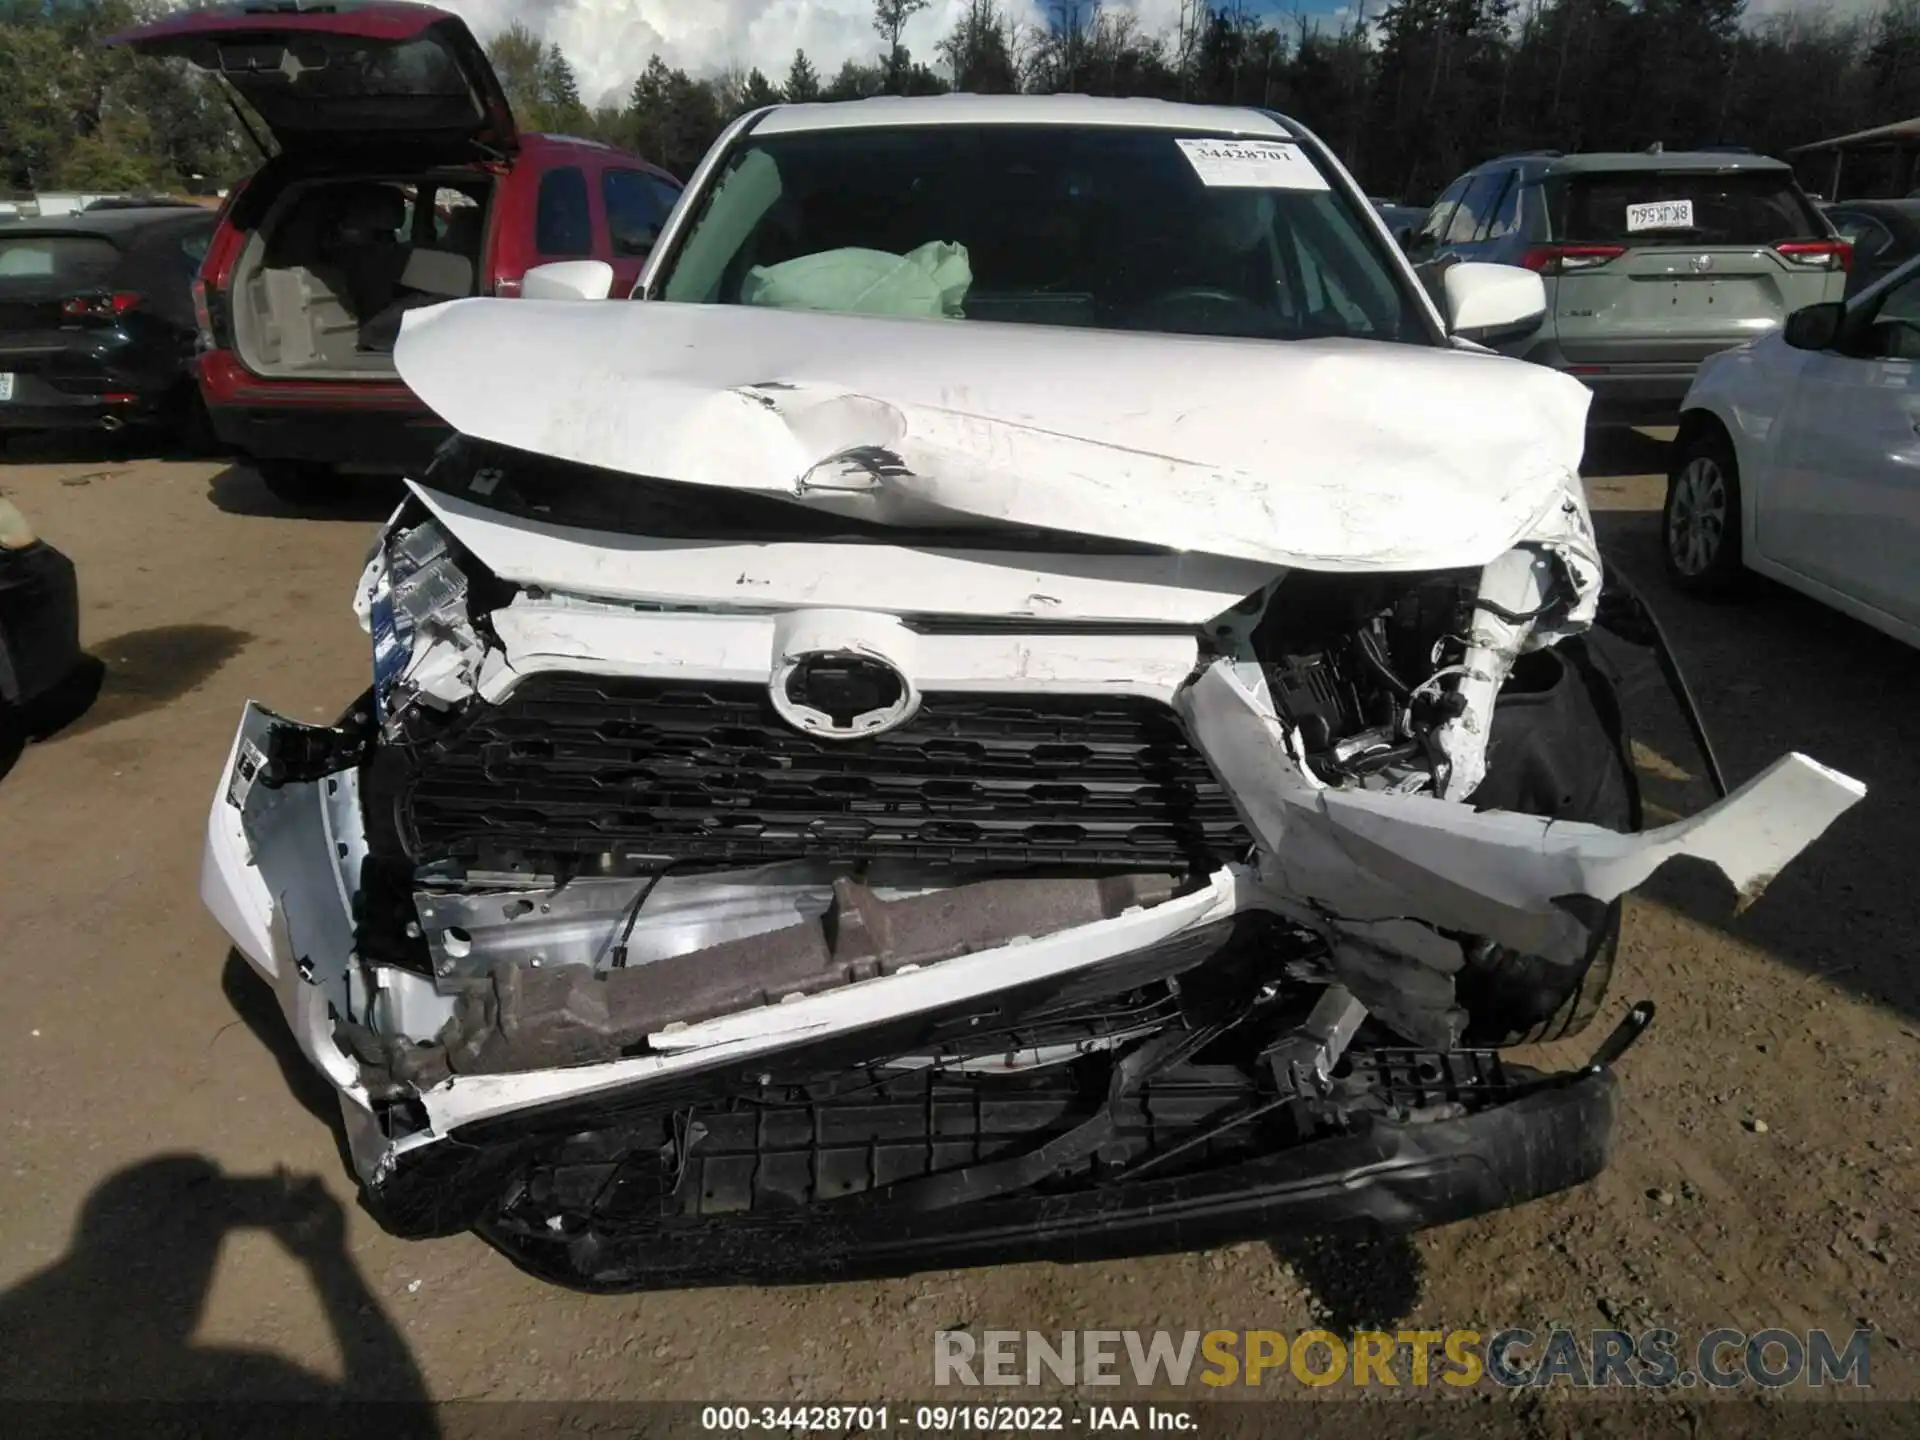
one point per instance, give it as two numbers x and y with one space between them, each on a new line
1515 1357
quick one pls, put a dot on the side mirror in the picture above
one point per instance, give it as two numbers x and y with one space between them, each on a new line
1489 304
1815 327
568 280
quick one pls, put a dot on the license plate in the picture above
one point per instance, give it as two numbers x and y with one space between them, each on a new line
6 385
1660 215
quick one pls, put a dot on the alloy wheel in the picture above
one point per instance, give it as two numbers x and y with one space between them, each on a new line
1697 519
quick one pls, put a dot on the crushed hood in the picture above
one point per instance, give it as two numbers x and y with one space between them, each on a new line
1330 455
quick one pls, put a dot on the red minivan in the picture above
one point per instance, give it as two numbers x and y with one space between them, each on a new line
401 181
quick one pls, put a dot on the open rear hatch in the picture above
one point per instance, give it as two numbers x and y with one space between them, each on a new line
1674 265
348 77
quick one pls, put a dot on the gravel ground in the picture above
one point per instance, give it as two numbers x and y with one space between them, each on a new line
175 1220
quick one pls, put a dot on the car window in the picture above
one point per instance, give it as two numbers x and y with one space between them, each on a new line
563 224
1671 207
1438 217
1895 330
637 208
1476 208
83 261
1868 236
1091 226
1507 215
455 221
1902 302
195 246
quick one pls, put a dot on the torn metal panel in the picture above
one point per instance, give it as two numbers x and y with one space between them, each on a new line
996 584
1336 454
533 1017
1353 855
469 931
767 1029
280 871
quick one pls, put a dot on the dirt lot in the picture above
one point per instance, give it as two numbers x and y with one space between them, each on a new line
1765 1170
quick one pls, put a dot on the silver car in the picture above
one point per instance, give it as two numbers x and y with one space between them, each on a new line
1652 262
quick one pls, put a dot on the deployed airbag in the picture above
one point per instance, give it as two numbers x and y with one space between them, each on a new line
929 281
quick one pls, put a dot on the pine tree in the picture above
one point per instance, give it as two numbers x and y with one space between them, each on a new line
803 81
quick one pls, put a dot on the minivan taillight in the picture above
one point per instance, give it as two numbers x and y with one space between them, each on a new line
1569 259
1817 254
203 315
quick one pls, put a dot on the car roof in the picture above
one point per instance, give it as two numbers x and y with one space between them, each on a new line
1606 162
963 109
554 146
113 224
1908 209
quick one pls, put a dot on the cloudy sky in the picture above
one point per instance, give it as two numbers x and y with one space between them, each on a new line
610 41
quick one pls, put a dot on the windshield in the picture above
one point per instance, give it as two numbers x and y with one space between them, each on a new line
1052 225
1682 207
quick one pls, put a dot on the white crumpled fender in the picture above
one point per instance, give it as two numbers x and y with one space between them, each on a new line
1383 875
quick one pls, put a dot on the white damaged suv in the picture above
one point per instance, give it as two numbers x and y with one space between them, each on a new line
1029 699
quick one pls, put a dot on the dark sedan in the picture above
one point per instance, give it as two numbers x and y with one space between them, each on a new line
97 326
1402 220
1885 235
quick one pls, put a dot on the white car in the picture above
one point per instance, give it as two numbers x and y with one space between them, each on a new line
1798 457
1027 698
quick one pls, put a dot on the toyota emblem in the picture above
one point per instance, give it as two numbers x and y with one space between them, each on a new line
842 695
1701 264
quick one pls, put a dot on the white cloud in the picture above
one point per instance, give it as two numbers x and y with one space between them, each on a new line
610 41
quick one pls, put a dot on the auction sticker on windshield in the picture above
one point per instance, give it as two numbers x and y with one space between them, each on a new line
1251 165
6 385
1660 215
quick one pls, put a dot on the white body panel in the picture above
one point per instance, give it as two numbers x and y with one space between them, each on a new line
1334 455
1828 447
901 580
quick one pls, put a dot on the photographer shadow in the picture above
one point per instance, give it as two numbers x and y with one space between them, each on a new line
114 1318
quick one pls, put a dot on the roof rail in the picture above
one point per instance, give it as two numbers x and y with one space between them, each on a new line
1528 155
1723 150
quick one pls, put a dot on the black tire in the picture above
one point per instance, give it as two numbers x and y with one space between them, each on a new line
193 432
1700 522
13 734
1558 748
298 482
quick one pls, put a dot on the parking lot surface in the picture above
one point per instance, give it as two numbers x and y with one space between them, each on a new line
176 1220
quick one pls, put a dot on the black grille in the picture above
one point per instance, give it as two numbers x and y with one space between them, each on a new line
573 765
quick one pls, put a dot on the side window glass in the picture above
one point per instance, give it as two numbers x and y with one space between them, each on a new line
457 222
563 222
1868 237
1435 225
1475 206
1507 214
636 207
1901 305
